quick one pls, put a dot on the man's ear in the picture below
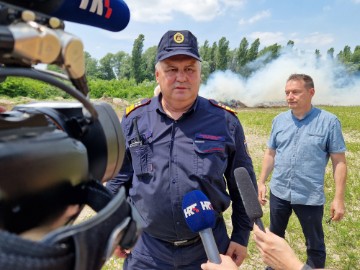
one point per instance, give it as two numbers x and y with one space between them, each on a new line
312 91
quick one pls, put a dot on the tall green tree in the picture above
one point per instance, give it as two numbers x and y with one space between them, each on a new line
330 53
222 55
212 60
253 51
290 44
106 67
91 66
270 52
241 54
205 51
355 58
137 66
149 58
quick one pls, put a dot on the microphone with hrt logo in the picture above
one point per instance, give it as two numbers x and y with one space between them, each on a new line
200 217
249 196
112 15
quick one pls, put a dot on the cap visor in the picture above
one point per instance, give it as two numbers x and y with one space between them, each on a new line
178 52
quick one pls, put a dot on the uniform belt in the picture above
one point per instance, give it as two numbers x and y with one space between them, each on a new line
187 242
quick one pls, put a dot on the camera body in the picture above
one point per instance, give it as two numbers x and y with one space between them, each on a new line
45 143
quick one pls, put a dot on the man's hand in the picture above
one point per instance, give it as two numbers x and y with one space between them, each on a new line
262 193
121 253
237 252
337 210
226 264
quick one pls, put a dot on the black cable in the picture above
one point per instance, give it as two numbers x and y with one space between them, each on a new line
44 77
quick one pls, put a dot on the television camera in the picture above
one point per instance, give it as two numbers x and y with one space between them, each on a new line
55 154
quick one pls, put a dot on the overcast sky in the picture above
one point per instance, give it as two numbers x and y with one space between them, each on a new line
311 24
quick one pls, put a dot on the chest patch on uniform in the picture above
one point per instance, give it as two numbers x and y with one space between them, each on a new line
222 106
139 104
209 137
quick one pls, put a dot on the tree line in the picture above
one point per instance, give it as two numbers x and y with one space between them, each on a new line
131 76
218 56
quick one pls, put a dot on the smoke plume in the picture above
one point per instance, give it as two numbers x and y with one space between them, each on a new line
333 83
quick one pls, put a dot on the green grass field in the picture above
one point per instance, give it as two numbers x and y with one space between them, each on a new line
342 238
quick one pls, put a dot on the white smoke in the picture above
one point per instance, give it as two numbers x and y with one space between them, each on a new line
333 85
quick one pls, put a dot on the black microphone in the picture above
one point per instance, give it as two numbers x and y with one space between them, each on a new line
112 15
200 217
249 196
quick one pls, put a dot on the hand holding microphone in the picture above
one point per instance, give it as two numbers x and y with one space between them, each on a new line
200 217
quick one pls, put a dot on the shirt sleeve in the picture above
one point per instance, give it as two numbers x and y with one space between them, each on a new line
240 158
336 138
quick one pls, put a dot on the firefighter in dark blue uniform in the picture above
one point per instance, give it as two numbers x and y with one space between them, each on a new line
178 142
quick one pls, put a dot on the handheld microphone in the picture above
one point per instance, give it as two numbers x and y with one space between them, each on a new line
249 196
112 15
200 217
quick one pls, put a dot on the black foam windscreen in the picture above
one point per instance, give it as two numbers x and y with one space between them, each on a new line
248 193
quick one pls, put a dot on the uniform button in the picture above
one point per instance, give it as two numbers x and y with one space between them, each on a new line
177 223
173 181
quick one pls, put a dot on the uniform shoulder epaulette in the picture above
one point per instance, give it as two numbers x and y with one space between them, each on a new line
136 105
222 106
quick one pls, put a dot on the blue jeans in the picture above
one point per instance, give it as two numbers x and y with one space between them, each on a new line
310 218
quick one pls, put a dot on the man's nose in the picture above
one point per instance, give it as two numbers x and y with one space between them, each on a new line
181 76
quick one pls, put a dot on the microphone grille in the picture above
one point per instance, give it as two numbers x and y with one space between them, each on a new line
248 193
198 211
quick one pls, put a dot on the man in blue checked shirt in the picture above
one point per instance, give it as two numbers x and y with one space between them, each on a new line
301 142
178 142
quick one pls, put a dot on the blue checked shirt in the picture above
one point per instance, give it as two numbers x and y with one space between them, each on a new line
198 151
302 150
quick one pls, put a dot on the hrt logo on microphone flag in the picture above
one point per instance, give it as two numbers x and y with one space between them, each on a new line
198 211
113 15
97 6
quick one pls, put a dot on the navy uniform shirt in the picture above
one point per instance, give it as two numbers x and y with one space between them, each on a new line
198 151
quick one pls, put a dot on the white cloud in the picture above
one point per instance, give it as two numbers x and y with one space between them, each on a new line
257 17
316 38
164 10
356 1
268 38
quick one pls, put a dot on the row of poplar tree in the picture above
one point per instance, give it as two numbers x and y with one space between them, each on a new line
218 56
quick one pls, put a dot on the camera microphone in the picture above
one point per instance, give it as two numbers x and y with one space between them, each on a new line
200 217
112 15
249 196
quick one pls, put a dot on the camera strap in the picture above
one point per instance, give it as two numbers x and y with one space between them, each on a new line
83 246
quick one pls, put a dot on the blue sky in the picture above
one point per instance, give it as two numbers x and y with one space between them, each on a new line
311 24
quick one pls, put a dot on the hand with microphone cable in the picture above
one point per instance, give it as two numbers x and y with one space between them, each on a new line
200 217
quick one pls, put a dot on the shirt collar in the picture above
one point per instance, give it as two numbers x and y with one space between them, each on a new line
305 116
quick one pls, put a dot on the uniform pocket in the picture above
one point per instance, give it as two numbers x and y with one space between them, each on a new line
141 159
210 158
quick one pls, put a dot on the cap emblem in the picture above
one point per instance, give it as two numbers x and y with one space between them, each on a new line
179 38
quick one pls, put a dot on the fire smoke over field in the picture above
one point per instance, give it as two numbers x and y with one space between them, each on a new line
333 85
